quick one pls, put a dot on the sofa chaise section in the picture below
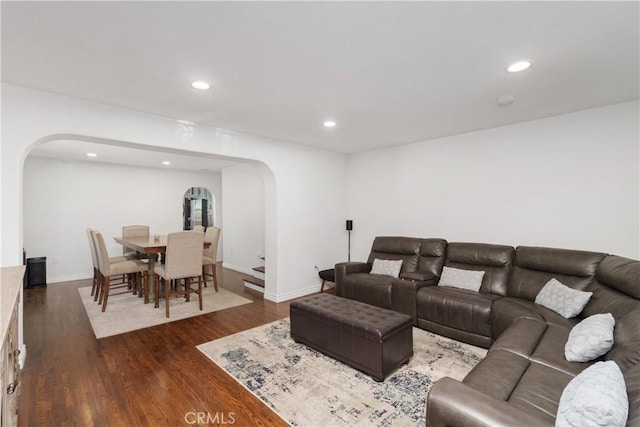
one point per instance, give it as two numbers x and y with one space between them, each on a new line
522 379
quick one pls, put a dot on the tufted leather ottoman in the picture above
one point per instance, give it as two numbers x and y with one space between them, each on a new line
369 338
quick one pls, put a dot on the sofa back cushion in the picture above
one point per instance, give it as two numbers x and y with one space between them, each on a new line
494 260
406 249
432 253
533 267
616 290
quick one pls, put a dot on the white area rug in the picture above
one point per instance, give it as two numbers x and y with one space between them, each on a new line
307 388
127 312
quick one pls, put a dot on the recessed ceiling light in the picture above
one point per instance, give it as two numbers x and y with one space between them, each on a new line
519 66
92 155
199 84
166 163
329 124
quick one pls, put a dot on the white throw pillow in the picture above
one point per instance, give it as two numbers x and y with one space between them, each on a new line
461 279
386 267
562 299
591 338
597 396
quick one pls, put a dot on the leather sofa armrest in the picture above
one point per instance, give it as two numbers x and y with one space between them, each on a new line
403 295
419 277
345 268
451 403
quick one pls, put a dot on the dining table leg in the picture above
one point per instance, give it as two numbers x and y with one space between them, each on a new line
151 281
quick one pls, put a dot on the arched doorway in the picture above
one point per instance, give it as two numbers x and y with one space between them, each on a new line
198 208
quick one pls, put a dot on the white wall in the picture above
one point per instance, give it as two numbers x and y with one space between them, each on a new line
244 206
63 198
300 182
570 181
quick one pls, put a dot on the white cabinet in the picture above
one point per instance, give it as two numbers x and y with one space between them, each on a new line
10 284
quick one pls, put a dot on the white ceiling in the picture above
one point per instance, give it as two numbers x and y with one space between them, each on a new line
388 72
77 150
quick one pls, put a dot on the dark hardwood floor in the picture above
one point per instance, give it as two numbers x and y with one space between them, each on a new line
153 376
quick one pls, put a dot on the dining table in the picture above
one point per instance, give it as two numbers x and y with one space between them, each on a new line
153 246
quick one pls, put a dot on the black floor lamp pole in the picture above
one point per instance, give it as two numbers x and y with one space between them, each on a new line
349 227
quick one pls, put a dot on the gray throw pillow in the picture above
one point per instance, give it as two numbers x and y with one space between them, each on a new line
590 339
562 299
595 397
461 279
385 267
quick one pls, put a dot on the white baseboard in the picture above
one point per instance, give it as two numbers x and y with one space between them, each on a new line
293 294
69 278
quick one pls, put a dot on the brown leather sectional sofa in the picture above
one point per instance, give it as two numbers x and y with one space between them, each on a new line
422 261
522 378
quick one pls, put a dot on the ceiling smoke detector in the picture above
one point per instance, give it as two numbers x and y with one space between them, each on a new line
506 99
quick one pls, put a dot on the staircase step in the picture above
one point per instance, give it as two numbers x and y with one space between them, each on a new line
255 284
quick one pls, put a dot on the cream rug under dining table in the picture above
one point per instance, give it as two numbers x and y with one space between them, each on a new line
126 312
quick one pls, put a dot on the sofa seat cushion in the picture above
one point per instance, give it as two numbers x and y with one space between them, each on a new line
373 289
497 374
457 308
539 343
506 310
550 352
531 387
539 390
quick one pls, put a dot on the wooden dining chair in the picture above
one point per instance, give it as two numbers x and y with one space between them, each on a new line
138 269
134 231
199 228
210 256
95 289
94 260
183 260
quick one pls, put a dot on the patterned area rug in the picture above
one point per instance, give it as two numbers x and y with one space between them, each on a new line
307 388
126 312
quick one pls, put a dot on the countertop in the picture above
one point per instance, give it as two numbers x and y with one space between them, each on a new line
10 284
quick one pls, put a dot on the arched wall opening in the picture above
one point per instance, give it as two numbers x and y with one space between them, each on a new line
299 233
139 186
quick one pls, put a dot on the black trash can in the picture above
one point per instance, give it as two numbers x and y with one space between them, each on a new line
36 272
